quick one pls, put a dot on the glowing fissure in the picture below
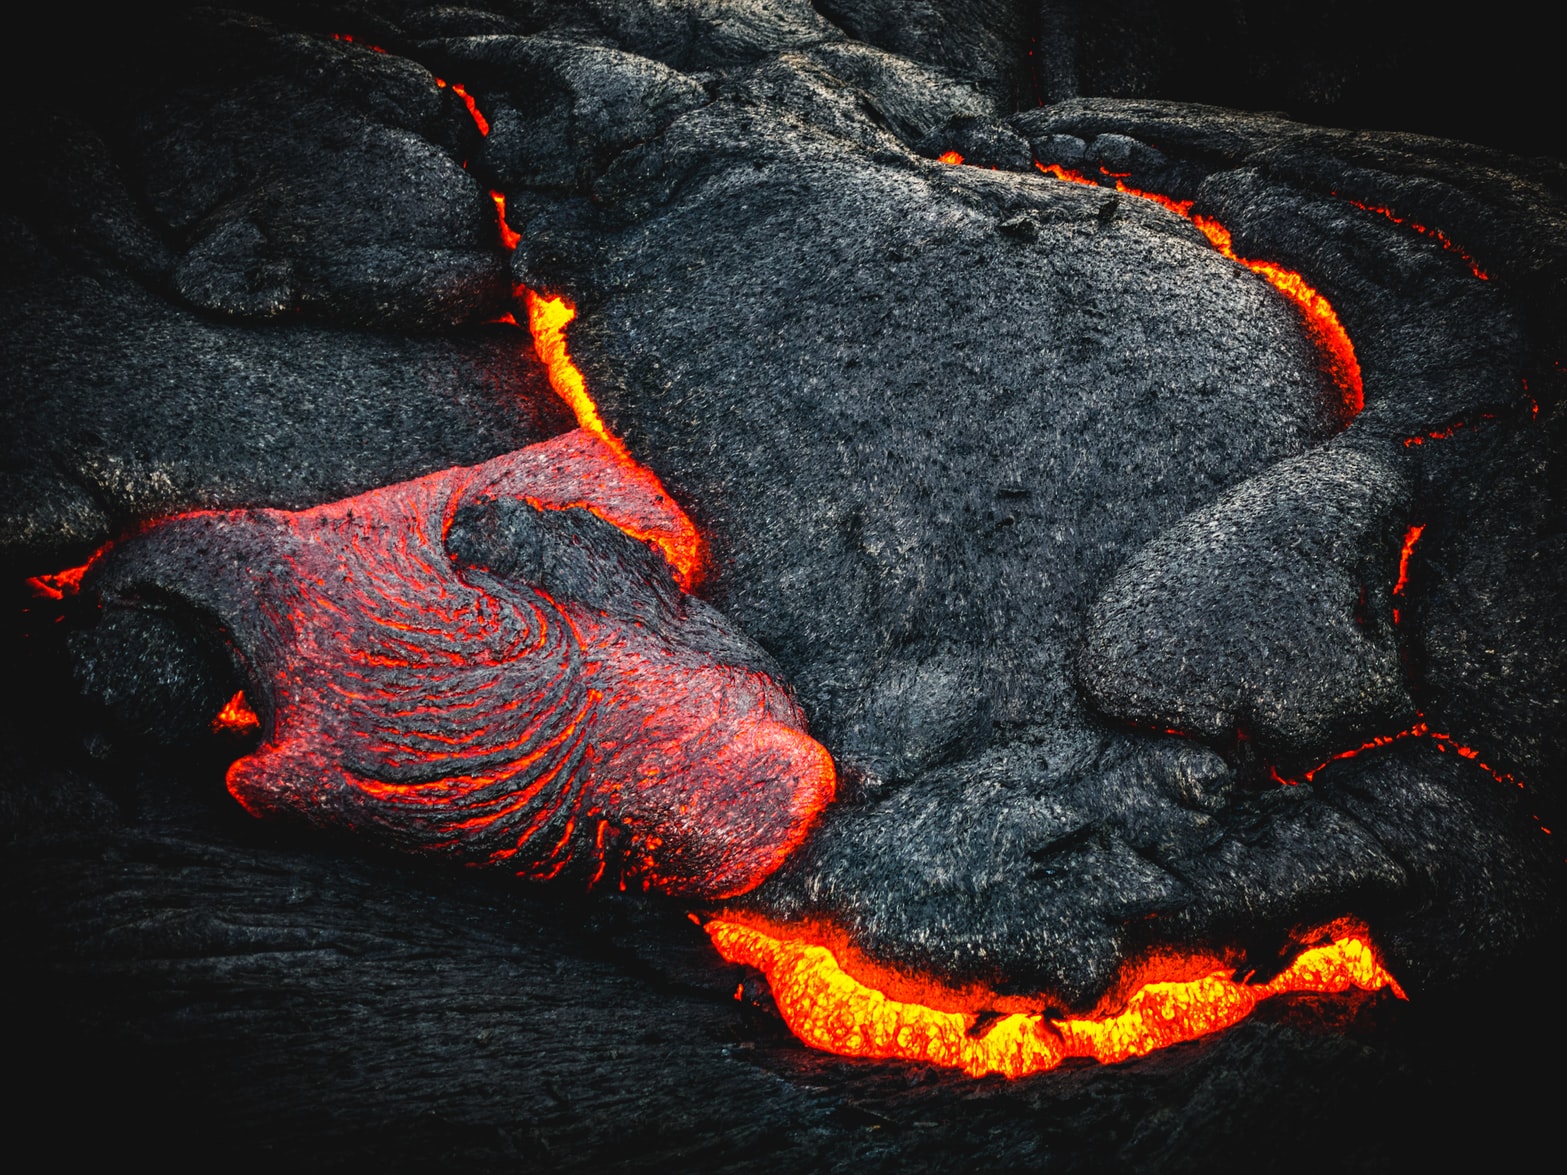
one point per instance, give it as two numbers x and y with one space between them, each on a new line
467 100
1435 234
830 1009
1342 365
548 318
509 237
59 584
1460 423
1411 537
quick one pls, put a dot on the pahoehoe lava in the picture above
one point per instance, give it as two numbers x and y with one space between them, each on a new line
537 435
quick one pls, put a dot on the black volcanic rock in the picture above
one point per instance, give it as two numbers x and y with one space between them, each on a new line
222 415
1269 612
972 449
981 42
321 184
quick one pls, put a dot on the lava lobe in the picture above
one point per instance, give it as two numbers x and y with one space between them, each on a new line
483 663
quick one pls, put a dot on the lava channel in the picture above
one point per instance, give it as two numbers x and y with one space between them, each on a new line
1177 1000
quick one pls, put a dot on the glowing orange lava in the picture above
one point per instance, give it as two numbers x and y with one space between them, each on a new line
1426 231
1418 730
830 1009
347 39
59 584
950 157
1179 207
1343 367
1411 537
548 319
509 238
1062 173
467 99
237 717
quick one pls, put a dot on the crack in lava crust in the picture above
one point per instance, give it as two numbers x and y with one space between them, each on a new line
412 693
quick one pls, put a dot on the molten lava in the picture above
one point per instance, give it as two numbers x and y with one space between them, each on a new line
1062 173
1332 340
548 319
830 1009
467 100
509 237
1343 367
237 718
423 688
1435 234
1411 537
59 584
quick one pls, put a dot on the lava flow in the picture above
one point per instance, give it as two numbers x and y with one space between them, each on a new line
830 1009
1333 341
1411 537
548 318
1435 234
424 687
59 584
680 543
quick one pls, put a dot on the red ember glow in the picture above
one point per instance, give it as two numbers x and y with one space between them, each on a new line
1062 173
1177 999
1321 320
467 100
345 38
548 319
1435 234
1411 537
237 717
509 238
59 584
445 708
1343 367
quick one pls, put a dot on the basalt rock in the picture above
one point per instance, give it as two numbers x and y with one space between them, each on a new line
1265 613
224 415
1020 486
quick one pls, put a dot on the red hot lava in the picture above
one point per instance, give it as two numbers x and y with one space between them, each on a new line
1175 998
440 707
236 718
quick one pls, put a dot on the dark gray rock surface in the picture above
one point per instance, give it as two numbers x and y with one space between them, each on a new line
1007 475
1313 666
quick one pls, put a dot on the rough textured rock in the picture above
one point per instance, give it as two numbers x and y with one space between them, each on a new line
955 437
980 43
287 415
1269 613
